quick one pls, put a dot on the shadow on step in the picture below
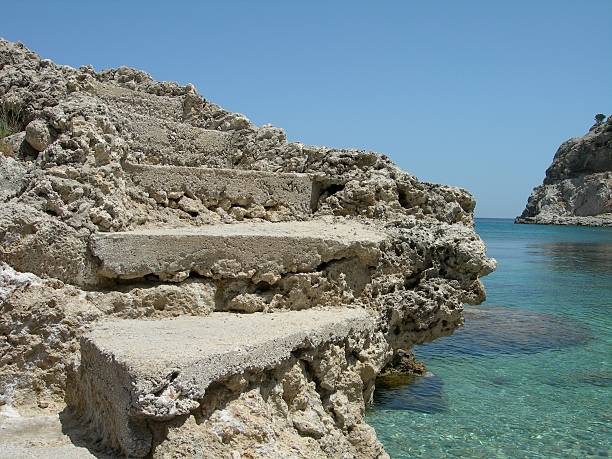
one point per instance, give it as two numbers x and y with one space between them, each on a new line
74 429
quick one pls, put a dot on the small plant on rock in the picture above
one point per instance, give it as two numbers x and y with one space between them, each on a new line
599 118
10 121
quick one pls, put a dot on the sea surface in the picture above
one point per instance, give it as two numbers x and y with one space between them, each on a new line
530 374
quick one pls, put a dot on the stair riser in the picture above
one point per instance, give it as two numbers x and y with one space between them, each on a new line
227 188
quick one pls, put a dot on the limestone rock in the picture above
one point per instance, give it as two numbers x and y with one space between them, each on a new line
10 145
577 189
33 241
12 178
128 199
38 135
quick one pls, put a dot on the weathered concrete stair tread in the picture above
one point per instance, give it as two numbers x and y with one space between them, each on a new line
201 350
235 250
160 369
240 187
158 127
140 102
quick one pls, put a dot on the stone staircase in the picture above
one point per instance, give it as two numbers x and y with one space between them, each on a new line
138 374
158 125
239 313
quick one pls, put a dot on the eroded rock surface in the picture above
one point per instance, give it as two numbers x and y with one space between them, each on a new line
101 157
577 189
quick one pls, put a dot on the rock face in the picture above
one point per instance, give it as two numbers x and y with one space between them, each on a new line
180 282
577 189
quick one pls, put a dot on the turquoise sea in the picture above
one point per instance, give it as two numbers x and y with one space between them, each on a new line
530 374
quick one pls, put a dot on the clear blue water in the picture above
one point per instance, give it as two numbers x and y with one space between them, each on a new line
530 374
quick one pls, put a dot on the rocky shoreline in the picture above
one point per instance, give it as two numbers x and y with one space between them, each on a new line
176 281
577 189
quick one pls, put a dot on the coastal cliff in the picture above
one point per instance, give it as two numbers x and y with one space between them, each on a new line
176 281
577 189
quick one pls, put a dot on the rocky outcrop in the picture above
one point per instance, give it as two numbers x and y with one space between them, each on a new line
577 189
138 209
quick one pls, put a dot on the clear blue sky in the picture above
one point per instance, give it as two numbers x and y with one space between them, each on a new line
477 94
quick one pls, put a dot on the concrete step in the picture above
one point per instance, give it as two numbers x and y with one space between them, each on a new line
171 142
259 251
140 102
159 130
227 187
136 372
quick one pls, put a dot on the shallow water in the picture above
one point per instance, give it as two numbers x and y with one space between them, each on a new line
530 375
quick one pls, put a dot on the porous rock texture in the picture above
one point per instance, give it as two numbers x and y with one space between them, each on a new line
577 189
89 158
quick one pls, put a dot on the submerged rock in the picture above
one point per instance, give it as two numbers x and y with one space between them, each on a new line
424 394
401 369
498 330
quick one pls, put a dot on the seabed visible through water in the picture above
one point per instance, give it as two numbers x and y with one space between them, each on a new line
530 374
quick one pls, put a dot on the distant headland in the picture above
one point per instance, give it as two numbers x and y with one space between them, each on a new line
577 189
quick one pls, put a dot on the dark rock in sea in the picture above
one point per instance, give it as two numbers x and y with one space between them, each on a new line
500 330
401 369
423 394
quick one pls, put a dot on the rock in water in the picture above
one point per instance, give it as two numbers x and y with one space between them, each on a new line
128 205
577 189
423 394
